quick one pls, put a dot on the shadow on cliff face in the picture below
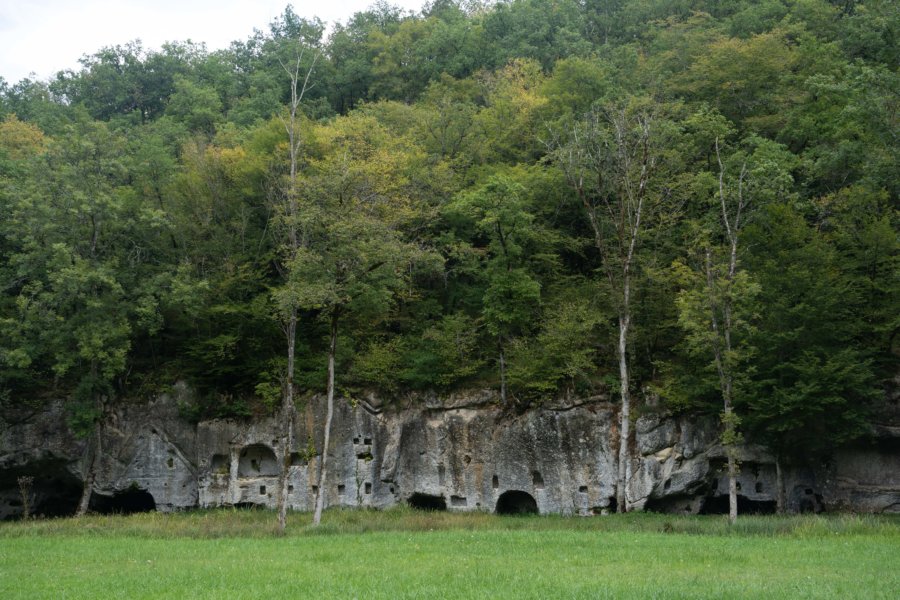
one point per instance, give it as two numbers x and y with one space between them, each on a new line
515 502
127 502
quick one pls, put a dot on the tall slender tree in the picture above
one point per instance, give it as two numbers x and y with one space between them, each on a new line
299 72
610 158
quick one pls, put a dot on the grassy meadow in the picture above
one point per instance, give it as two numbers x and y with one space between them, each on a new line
401 553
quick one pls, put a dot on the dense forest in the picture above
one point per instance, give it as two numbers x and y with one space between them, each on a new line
687 204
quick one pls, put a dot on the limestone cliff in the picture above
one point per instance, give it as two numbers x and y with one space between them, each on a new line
462 452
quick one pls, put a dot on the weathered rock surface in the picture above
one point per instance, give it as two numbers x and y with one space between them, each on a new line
462 452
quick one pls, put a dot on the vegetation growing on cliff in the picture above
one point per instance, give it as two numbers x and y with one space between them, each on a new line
466 191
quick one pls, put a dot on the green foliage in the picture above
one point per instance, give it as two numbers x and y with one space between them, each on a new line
561 354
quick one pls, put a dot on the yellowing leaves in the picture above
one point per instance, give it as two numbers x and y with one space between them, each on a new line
21 140
362 163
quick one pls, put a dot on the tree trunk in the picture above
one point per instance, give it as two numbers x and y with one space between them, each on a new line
779 486
323 464
624 415
732 489
287 419
93 452
502 373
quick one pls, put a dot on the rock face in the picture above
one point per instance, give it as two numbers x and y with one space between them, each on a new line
460 452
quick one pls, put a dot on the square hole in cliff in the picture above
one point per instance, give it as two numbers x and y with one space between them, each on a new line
582 489
262 490
759 487
220 464
341 489
367 441
495 482
458 501
537 480
368 488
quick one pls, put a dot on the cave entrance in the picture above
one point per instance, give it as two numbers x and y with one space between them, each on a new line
427 502
55 491
257 460
516 502
127 502
677 504
718 505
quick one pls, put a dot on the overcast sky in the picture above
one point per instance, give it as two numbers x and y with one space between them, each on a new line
45 36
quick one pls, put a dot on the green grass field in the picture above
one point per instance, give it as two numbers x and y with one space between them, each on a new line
402 553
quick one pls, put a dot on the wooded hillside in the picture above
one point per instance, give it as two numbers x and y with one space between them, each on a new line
670 202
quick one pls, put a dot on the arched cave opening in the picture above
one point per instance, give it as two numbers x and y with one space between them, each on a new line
426 502
718 505
257 460
516 502
127 502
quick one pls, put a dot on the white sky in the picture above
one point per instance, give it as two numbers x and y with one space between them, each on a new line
46 36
